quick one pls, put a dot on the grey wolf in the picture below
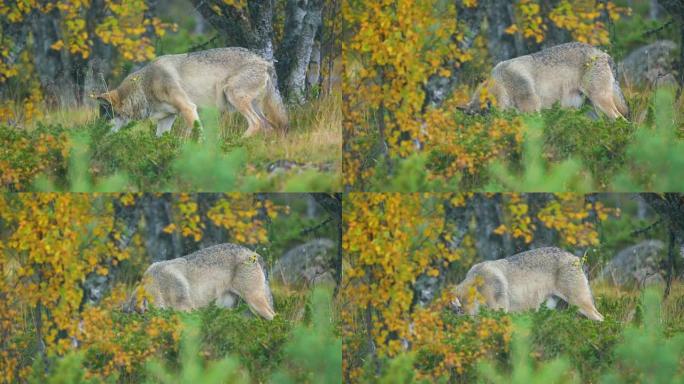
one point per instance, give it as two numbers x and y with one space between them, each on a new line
225 78
525 281
565 73
217 274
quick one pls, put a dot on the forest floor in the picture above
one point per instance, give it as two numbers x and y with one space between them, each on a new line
555 150
635 324
205 344
74 150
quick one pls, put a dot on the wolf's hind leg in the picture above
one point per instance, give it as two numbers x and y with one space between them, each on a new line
173 290
599 84
244 106
521 90
244 91
574 288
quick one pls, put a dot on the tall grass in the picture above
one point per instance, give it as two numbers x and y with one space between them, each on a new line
307 158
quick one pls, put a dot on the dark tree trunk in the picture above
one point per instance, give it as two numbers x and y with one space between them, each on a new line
52 66
251 28
676 9
212 233
489 245
501 45
543 236
302 22
670 208
157 212
439 87
332 204
554 35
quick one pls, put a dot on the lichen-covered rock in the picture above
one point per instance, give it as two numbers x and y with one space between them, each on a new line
638 264
307 264
650 65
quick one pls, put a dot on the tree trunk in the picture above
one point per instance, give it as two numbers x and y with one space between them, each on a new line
439 87
332 203
670 208
52 66
250 27
489 245
501 45
157 212
543 236
302 22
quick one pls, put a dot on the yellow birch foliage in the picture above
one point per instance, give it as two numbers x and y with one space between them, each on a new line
391 50
389 240
123 29
567 214
49 244
393 47
241 214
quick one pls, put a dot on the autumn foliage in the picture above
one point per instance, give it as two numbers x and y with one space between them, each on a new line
393 240
123 26
50 243
394 50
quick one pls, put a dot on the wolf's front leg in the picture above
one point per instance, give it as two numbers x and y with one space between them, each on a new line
165 124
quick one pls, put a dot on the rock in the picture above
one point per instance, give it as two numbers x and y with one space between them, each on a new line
650 65
285 166
638 264
310 263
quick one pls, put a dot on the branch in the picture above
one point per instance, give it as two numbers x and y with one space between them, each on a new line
657 29
202 45
647 228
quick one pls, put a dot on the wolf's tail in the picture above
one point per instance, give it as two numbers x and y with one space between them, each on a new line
273 104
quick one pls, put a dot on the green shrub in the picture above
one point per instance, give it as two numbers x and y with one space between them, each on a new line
586 344
646 355
523 369
24 154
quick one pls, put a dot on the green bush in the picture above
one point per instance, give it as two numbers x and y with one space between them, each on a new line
586 344
26 153
218 345
646 354
523 369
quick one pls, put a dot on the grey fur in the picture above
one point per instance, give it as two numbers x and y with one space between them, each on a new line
214 274
526 280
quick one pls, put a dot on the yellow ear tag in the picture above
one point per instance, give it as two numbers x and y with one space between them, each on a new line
253 258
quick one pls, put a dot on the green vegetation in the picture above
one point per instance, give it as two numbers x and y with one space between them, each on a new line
634 344
560 150
87 157
216 345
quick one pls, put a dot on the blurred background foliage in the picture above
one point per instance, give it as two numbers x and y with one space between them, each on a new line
56 54
409 66
68 262
396 320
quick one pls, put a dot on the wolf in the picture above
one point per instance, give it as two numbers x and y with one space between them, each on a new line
565 73
226 78
524 281
219 274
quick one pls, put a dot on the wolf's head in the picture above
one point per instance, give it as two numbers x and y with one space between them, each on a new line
126 103
481 102
466 300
